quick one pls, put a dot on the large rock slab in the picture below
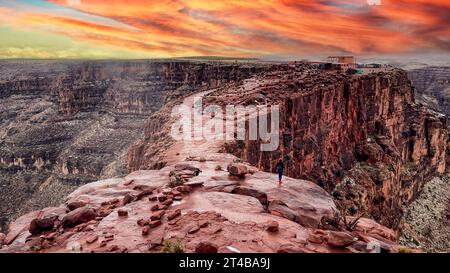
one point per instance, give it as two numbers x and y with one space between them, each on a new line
78 216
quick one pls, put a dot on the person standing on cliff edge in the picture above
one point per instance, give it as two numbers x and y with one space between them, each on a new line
280 168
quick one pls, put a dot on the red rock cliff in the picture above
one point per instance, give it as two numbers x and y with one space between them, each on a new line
362 138
140 87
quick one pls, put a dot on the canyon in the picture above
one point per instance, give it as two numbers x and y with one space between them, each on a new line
178 209
432 87
358 149
67 123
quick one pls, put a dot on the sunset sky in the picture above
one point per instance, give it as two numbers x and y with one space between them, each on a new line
257 28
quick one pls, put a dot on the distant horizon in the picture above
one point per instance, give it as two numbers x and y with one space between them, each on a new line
403 59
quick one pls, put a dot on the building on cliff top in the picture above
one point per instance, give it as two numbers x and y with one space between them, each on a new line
342 63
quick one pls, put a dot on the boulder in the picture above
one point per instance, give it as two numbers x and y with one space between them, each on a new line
142 222
38 226
122 213
315 238
193 229
157 215
237 169
91 239
113 248
128 198
154 223
78 216
144 193
272 226
307 219
278 208
339 239
206 247
174 214
289 248
75 204
158 207
261 196
167 202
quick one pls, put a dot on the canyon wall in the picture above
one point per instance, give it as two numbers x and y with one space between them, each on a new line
66 123
432 87
362 138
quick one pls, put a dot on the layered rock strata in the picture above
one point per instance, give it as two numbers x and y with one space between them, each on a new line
362 138
432 87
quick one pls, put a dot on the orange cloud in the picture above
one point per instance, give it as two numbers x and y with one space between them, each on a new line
253 28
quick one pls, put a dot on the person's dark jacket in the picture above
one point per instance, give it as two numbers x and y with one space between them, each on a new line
280 167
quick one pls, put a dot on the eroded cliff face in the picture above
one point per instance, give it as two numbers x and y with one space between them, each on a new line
140 87
432 87
66 123
362 138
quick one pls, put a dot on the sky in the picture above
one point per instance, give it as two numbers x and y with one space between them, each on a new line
258 28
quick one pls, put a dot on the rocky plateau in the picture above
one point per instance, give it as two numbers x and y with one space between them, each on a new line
358 149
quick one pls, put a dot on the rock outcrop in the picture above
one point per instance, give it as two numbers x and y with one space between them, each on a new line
206 219
362 138
210 211
432 88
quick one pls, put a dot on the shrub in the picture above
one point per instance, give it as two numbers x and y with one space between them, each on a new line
202 159
218 168
175 179
172 246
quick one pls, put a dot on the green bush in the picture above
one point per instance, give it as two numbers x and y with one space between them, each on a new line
172 246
